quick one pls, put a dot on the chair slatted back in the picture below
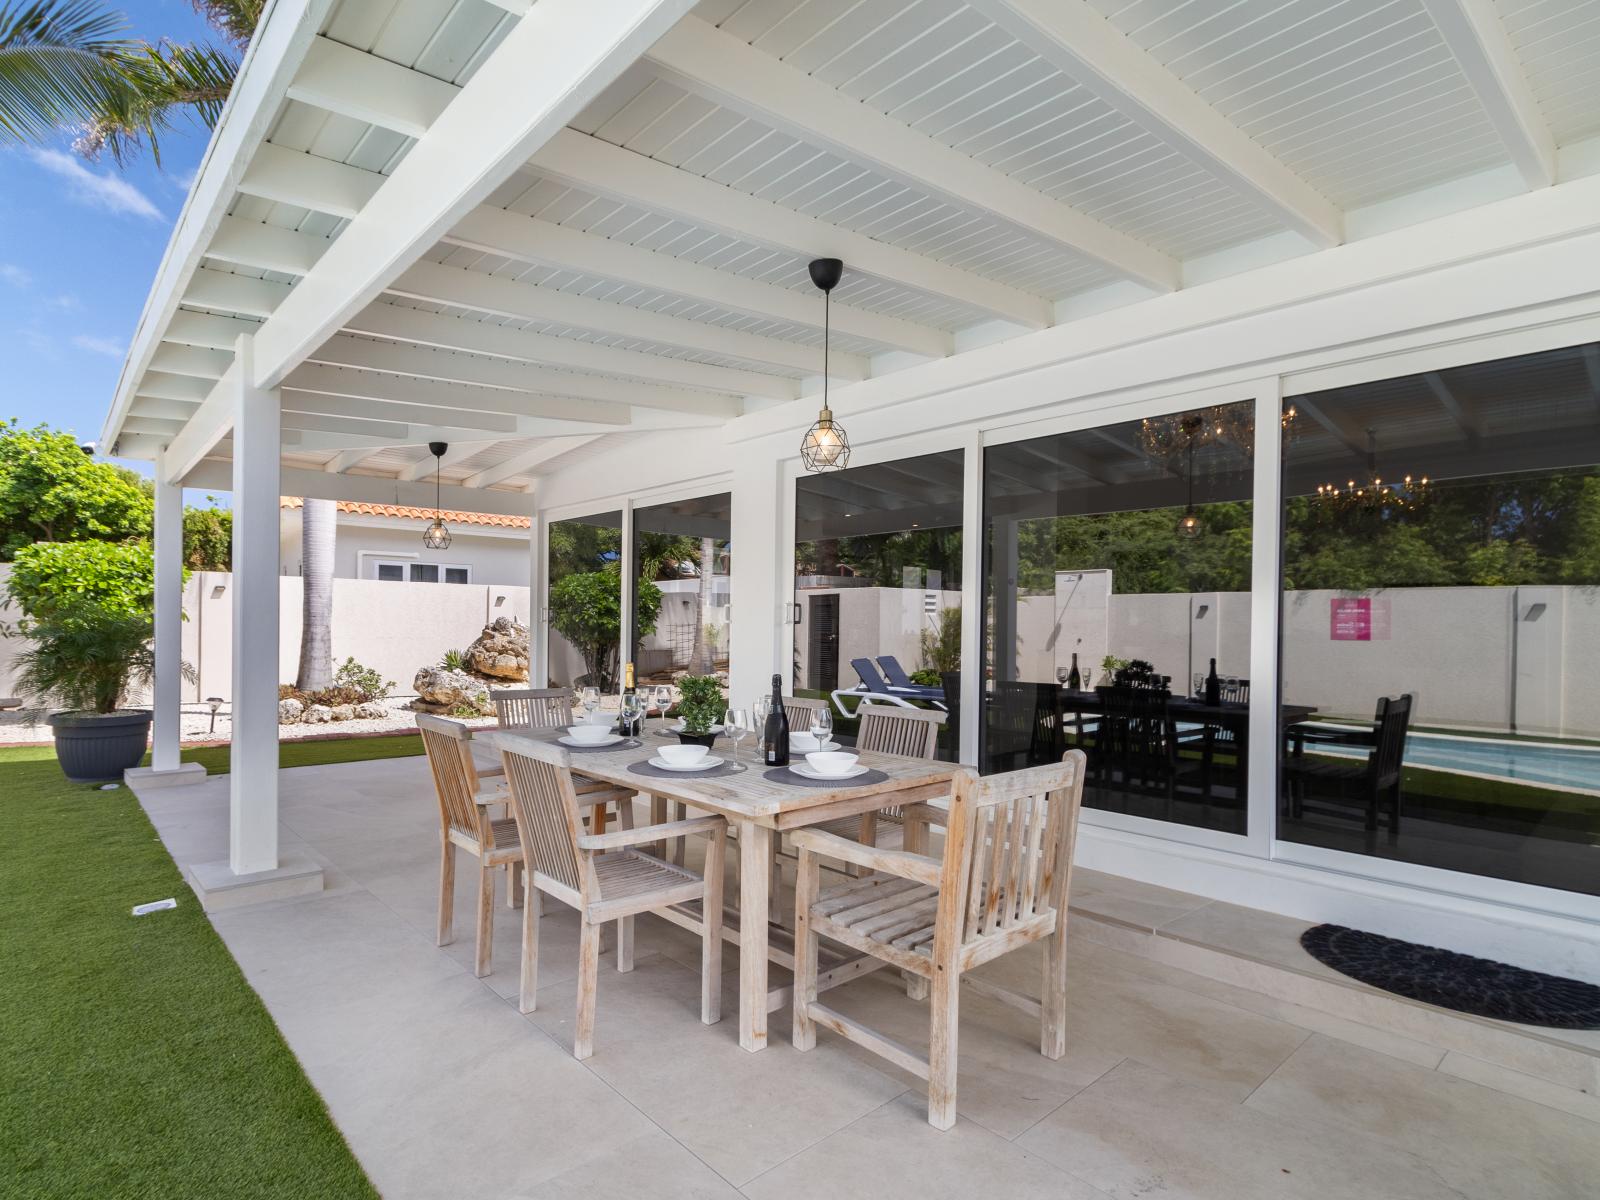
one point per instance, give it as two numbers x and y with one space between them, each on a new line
546 811
536 708
890 729
1008 849
799 709
1392 719
455 776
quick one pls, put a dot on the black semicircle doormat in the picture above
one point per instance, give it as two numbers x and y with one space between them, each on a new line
1458 982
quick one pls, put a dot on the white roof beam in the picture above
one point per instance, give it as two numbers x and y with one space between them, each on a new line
521 464
461 397
212 422
725 69
423 363
1073 36
517 8
528 239
477 337
165 410
341 79
266 247
456 453
1477 39
551 64
158 385
141 422
234 293
347 459
306 181
207 331
529 302
1465 415
298 401
189 360
595 165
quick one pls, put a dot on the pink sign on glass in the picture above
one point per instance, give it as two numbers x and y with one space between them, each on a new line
1350 619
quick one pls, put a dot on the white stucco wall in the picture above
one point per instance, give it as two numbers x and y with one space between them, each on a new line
495 556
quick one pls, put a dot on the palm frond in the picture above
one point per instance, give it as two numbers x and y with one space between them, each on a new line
159 84
235 20
57 64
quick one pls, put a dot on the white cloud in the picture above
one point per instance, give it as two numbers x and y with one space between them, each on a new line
97 191
110 347
66 302
15 275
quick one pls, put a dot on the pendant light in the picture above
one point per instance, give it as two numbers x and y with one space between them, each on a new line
1189 523
436 536
825 447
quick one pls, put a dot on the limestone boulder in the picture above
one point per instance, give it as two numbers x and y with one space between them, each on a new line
444 691
343 712
317 714
500 651
370 711
290 711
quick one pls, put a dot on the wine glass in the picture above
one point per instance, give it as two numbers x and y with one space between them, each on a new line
736 724
1088 679
1061 676
760 711
590 697
663 703
822 726
632 710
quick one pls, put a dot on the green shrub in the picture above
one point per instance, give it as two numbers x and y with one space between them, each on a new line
700 702
363 683
585 608
453 660
941 646
81 657
927 677
114 576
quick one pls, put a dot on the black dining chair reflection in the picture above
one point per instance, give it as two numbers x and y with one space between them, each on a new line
1328 784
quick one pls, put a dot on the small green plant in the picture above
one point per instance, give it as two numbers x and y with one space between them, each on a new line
82 657
700 703
1110 665
365 684
453 660
941 645
926 676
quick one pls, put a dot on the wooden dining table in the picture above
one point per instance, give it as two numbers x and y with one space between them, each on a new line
758 809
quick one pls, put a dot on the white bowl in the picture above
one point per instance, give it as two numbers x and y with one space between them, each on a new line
683 756
804 743
598 717
835 764
589 735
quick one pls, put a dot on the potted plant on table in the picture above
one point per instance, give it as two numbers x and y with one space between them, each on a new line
700 706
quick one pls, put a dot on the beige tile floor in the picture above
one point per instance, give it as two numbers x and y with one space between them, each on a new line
1173 1085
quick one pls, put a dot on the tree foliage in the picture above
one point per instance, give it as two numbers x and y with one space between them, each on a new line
112 576
50 491
586 609
208 538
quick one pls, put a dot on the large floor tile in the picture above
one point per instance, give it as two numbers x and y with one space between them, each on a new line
1139 1132
1141 905
652 1166
895 1152
1484 1142
741 1113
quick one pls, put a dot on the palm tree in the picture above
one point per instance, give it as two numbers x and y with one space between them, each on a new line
66 65
317 530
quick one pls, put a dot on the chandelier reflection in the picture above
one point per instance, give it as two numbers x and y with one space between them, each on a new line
1173 438
1373 493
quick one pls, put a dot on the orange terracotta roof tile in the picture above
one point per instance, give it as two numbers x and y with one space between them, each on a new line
410 512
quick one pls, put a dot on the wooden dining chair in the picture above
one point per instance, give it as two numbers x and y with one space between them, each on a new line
606 878
532 708
468 821
1001 884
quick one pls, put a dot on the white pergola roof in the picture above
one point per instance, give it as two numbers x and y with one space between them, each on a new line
528 231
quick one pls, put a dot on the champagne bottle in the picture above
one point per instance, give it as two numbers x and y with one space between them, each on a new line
1074 676
1213 685
775 733
625 723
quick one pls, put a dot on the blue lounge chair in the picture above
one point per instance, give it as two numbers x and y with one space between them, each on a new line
874 687
899 681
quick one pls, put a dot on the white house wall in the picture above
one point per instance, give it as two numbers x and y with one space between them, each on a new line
494 558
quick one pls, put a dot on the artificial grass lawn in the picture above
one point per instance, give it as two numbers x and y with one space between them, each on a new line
135 1061
292 753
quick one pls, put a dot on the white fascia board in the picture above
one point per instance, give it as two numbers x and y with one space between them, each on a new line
1072 36
450 333
548 68
595 165
531 240
705 61
282 36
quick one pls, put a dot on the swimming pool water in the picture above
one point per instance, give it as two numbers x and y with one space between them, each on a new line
1527 762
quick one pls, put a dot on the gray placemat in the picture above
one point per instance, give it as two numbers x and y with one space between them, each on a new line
655 772
784 775
625 744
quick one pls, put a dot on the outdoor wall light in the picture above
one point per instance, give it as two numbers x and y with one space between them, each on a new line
826 446
216 592
436 536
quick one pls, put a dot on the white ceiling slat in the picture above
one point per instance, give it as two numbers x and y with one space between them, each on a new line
423 363
511 298
593 164
296 400
528 239
266 247
519 464
706 61
1477 38
476 337
335 381
1080 42
234 293
189 360
307 181
206 331
537 79
366 88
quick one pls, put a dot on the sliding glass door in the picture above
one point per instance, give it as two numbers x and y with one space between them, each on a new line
584 601
1117 576
681 561
1441 620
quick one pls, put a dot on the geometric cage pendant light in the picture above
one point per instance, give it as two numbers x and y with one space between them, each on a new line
826 446
436 536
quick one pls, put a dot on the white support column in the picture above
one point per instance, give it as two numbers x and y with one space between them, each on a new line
167 686
1266 594
538 608
630 591
972 583
253 779
762 576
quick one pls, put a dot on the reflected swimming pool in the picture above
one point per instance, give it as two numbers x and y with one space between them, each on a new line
1525 762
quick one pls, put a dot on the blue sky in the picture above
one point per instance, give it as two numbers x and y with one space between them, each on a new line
79 246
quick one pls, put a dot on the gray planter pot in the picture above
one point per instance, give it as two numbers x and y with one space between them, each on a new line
98 747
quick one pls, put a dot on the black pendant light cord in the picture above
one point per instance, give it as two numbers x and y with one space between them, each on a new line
827 336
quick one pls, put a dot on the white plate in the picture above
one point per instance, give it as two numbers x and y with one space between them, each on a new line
705 764
809 772
566 739
680 729
826 746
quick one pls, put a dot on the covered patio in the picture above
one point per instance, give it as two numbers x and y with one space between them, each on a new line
1128 293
